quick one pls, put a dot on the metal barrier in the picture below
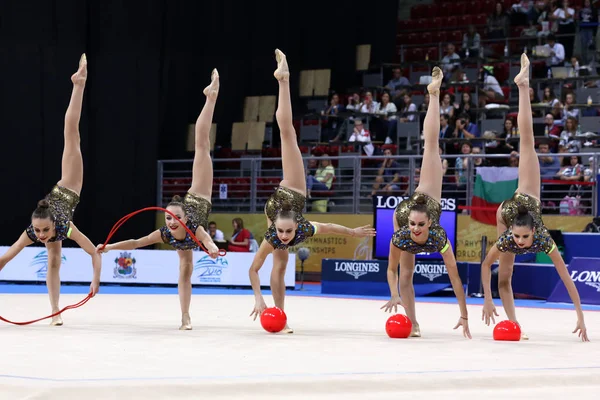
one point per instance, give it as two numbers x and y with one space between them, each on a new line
244 184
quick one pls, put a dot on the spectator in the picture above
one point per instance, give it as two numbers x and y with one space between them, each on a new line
240 240
471 42
361 135
369 106
467 129
571 170
466 106
549 98
423 108
450 60
588 18
557 52
409 111
388 119
551 129
354 102
565 16
549 165
215 234
589 174
445 129
323 177
569 110
497 24
534 99
462 164
397 82
446 106
568 137
332 124
501 146
491 91
388 174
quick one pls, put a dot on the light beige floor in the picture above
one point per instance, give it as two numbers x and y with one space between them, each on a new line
128 347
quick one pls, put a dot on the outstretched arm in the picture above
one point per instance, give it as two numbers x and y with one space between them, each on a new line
259 259
486 272
561 268
204 237
87 245
132 244
456 282
15 249
392 277
335 229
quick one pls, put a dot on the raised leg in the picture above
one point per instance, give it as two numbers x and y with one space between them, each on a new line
202 170
72 161
529 166
53 279
430 181
294 176
184 287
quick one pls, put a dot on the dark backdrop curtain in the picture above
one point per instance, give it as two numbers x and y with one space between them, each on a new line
148 62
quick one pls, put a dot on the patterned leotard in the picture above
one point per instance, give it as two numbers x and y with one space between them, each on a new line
62 203
436 241
196 211
305 228
542 241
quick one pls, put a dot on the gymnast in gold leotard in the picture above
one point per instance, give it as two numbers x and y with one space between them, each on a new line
52 220
286 225
193 210
417 228
519 222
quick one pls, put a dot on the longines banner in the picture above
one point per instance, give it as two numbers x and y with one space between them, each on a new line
141 266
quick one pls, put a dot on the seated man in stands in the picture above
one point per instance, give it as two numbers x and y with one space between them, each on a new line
323 177
491 91
388 174
549 165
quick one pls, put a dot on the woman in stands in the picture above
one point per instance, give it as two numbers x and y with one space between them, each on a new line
192 210
287 226
416 224
51 222
520 226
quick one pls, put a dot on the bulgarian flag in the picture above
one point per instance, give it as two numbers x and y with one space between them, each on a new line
493 185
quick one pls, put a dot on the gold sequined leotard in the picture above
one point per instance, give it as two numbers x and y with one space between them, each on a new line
196 211
542 241
62 203
436 241
273 206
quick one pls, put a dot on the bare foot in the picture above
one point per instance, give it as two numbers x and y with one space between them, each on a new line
282 73
522 78
79 77
436 82
212 90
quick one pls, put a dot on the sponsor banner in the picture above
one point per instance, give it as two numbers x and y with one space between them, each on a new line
142 267
368 278
585 272
320 246
469 233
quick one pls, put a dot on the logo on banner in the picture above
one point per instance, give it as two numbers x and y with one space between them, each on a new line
391 202
125 266
356 269
208 270
431 271
40 261
590 278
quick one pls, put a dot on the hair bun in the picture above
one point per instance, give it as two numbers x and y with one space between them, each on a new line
420 199
286 206
177 199
43 204
522 210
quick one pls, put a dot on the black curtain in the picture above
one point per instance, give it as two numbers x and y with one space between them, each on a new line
148 62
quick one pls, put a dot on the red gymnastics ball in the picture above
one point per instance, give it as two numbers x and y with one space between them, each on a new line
398 326
507 331
273 319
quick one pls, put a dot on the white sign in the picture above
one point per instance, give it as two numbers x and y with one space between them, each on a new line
143 267
223 191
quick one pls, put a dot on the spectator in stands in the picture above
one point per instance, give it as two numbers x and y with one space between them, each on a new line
534 99
565 16
569 110
466 106
446 106
445 129
450 60
504 139
589 175
388 174
551 129
423 108
462 164
466 129
471 42
568 137
332 124
354 102
549 165
215 234
368 105
409 110
240 240
497 24
536 11
549 98
388 119
491 92
513 161
323 177
397 82
557 52
588 18
572 169
363 136
501 146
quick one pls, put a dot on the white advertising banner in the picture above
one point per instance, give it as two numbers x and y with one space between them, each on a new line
143 267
